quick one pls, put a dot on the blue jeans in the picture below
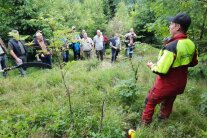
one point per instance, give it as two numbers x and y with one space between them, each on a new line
76 51
114 54
129 52
3 64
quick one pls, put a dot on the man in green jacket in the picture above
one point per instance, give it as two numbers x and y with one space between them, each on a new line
172 69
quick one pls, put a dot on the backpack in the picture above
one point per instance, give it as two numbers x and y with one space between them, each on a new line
105 39
76 47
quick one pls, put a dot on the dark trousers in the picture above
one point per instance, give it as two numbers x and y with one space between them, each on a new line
114 54
3 64
22 70
47 59
76 54
99 54
104 49
130 52
76 51
65 56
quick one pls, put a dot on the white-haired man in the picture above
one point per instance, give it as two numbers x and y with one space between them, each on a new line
99 42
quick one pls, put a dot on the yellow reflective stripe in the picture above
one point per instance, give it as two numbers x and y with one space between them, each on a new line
160 54
164 63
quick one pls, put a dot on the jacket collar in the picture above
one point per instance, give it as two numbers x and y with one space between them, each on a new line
177 37
180 36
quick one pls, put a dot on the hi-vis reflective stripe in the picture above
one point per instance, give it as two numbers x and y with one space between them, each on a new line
164 63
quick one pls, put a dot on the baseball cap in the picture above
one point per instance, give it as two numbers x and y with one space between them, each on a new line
183 19
13 33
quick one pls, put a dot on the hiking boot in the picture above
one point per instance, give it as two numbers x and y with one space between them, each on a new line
162 119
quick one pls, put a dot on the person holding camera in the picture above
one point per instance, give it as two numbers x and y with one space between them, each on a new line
130 42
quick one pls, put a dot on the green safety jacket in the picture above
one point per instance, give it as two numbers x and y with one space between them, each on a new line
177 53
172 66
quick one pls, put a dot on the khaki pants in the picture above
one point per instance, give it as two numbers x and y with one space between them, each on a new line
86 54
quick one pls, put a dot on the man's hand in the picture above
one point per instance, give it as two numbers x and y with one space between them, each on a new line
149 64
18 61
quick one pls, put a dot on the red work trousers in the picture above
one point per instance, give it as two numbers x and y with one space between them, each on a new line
153 98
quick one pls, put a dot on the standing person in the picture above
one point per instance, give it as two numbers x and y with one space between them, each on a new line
105 43
65 50
99 41
172 69
17 50
42 44
3 57
115 44
130 42
82 33
75 44
86 46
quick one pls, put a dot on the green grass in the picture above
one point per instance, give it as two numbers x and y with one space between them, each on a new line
37 105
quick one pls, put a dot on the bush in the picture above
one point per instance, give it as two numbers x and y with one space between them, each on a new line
203 105
200 71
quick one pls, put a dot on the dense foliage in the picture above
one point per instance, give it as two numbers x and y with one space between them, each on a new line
146 16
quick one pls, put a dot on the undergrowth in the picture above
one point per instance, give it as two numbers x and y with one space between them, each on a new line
36 105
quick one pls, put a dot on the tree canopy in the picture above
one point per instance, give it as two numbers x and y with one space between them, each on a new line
147 17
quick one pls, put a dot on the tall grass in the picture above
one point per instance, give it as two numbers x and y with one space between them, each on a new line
36 105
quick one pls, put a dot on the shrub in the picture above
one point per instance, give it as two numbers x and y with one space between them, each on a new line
203 105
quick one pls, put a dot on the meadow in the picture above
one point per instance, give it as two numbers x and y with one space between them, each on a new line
105 99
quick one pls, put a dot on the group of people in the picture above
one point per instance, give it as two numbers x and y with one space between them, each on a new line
81 44
18 50
84 44
178 53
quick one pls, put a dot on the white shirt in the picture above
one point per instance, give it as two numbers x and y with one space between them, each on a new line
1 50
86 44
99 41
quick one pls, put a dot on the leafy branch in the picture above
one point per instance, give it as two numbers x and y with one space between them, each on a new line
56 44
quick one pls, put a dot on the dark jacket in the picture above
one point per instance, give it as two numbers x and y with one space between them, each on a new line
16 48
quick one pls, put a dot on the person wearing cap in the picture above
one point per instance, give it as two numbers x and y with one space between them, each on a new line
171 69
17 49
99 42
42 44
3 57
